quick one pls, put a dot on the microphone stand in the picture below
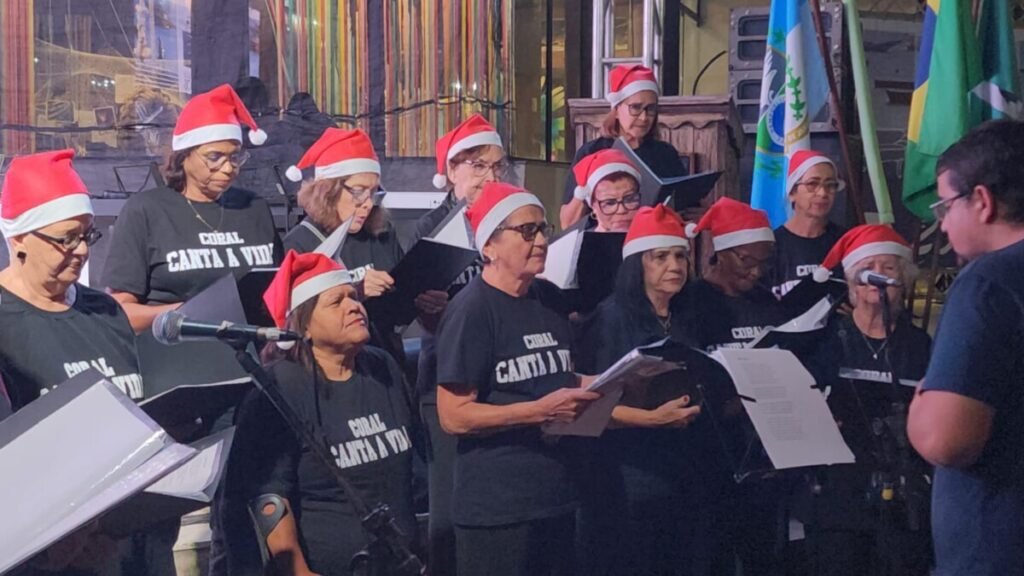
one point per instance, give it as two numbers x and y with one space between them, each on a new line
385 535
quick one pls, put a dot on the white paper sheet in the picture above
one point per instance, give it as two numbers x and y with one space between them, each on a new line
563 256
198 479
790 416
455 231
814 319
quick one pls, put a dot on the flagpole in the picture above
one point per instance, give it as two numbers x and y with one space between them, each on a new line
854 188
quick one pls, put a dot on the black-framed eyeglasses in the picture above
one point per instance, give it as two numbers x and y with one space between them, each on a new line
748 262
830 186
72 241
630 202
635 110
941 207
480 168
530 230
216 160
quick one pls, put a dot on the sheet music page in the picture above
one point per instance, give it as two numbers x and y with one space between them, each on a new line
634 366
814 319
790 416
197 479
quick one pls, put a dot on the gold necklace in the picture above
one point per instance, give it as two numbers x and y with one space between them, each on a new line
220 219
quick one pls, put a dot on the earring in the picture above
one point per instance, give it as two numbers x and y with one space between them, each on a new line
20 255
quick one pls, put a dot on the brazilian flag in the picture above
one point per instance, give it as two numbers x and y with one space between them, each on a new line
943 108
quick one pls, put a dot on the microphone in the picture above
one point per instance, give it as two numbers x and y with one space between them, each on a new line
875 279
173 327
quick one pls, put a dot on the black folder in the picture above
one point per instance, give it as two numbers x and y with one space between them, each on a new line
189 364
250 291
808 292
429 265
685 381
685 191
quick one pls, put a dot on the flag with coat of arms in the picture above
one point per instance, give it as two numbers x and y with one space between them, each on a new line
794 90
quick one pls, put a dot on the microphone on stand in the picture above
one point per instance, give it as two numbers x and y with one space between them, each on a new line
173 327
875 279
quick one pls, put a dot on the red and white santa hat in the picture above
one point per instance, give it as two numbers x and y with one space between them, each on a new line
474 131
652 228
39 190
626 80
862 242
733 223
590 170
801 161
301 277
496 201
337 153
214 116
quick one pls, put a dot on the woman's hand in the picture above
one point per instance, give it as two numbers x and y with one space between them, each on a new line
674 414
564 404
377 283
432 302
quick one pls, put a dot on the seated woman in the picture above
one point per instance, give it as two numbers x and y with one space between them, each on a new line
854 528
609 185
641 511
170 243
52 328
346 177
633 94
504 367
807 236
350 393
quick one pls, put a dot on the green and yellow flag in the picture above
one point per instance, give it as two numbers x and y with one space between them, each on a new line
943 108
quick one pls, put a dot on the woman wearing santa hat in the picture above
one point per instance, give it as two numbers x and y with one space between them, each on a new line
633 94
730 307
352 394
52 328
641 511
468 157
171 242
504 369
344 183
871 517
804 240
609 185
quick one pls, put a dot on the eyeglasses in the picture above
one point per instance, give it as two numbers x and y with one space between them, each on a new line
941 208
215 160
748 263
830 187
630 202
481 168
635 110
360 195
530 230
72 241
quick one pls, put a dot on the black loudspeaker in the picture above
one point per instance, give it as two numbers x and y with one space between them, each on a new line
748 32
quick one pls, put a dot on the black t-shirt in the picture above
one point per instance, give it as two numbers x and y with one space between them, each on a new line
607 335
39 350
509 350
360 252
797 257
978 511
717 320
661 157
852 368
163 253
367 424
